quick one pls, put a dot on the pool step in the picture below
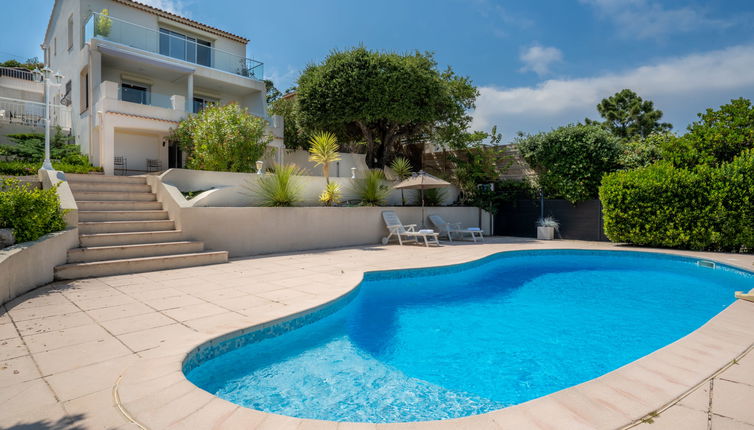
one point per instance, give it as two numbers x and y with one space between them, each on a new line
77 177
103 187
130 238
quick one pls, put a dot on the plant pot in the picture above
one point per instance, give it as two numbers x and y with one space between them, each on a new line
545 233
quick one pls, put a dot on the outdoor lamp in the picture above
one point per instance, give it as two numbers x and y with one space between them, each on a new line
58 78
353 173
37 75
259 163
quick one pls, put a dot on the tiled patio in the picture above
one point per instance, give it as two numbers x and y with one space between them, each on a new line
64 347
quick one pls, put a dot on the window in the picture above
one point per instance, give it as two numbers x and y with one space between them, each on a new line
185 48
70 32
134 93
202 102
84 93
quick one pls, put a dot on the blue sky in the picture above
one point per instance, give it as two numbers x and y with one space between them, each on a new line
538 63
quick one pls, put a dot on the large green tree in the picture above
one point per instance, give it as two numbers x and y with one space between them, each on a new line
717 137
629 116
293 135
571 160
384 99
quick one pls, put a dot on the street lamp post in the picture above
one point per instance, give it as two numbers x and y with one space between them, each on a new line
44 75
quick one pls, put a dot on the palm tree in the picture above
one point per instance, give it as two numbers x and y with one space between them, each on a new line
402 168
323 150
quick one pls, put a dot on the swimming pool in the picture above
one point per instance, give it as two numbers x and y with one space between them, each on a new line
448 342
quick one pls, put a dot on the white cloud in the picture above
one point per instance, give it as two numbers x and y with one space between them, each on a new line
538 59
644 19
177 7
680 87
282 80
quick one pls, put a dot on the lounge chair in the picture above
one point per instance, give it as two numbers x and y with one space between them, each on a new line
406 233
448 228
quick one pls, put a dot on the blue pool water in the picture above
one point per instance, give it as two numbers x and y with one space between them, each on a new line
448 342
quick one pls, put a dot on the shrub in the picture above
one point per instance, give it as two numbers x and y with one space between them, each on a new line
704 208
222 138
571 160
30 213
331 195
371 190
31 147
26 168
280 187
432 197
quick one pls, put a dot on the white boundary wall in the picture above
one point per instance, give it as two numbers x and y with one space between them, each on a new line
228 189
28 265
245 231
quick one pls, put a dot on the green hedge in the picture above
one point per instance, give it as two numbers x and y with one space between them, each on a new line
25 168
703 208
31 213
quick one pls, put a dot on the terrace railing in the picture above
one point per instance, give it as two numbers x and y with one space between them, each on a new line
166 43
16 111
13 72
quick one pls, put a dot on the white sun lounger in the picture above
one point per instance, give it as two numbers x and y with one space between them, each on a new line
406 233
448 228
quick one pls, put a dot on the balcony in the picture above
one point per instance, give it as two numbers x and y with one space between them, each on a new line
171 45
131 101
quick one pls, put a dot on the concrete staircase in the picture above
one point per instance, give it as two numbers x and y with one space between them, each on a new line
124 229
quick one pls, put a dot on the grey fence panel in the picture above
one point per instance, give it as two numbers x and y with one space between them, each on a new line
582 221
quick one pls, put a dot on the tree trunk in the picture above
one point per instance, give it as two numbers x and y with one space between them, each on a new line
369 138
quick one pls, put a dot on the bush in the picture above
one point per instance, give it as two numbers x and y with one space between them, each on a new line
222 138
280 188
26 168
704 208
571 160
717 137
30 213
371 190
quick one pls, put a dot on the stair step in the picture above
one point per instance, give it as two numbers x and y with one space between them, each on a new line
135 215
136 265
115 205
100 253
110 187
113 195
111 239
124 226
75 177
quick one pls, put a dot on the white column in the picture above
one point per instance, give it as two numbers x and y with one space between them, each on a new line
107 145
190 93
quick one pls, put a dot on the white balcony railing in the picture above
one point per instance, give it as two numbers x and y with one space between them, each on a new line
183 48
15 111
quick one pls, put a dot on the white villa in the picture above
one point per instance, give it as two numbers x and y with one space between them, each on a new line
132 71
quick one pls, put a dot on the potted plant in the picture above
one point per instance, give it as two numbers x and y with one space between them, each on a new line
546 228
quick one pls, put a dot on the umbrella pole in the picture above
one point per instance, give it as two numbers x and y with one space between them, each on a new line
422 193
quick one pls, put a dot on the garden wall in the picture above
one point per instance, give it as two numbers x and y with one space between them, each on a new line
28 265
245 231
228 189
582 221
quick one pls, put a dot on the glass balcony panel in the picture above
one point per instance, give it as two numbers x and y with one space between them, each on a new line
171 44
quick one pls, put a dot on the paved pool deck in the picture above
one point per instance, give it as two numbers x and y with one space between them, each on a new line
105 353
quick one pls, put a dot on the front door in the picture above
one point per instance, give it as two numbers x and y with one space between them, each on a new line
175 156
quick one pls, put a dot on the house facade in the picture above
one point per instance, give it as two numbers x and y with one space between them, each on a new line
132 72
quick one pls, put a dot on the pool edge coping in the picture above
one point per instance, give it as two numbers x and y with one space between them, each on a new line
152 379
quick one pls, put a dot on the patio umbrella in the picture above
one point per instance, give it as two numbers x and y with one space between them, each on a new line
421 181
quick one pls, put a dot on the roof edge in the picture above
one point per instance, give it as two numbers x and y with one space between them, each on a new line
181 19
